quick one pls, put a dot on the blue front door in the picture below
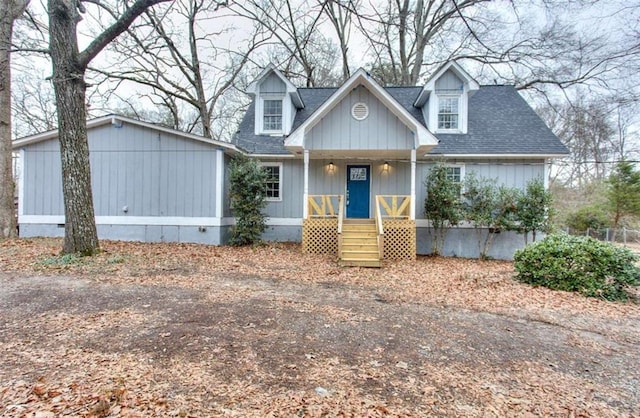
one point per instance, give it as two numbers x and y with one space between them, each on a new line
358 181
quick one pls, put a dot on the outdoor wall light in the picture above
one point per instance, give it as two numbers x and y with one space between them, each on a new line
385 167
331 167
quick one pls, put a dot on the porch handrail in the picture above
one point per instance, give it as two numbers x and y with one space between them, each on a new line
322 206
379 224
380 228
340 212
395 206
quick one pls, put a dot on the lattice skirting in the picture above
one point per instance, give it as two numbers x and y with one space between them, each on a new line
399 239
320 236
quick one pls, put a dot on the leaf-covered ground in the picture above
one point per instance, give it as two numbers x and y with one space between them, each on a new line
192 330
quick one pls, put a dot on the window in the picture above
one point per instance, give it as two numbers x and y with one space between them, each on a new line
272 183
448 112
455 173
272 115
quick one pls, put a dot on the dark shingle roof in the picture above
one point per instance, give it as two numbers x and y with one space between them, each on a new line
500 122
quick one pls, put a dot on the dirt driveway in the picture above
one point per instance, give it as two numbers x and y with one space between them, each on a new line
179 338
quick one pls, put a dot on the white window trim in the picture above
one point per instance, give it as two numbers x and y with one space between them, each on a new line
260 114
463 172
269 164
460 112
461 166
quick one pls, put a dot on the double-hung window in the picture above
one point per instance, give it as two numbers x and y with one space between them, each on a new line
455 173
273 182
449 112
272 115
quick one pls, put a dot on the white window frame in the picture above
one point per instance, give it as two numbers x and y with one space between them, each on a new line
462 168
279 165
457 97
262 115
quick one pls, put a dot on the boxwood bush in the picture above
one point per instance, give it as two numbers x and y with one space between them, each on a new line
579 264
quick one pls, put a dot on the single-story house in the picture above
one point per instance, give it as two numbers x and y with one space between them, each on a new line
346 166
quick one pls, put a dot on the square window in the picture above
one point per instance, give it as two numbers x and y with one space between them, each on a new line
454 173
272 115
448 112
272 182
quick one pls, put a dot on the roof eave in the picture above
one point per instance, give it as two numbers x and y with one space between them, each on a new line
495 155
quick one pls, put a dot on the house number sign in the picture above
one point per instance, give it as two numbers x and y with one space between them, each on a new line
358 174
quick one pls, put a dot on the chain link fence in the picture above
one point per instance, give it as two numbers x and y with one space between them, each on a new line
620 235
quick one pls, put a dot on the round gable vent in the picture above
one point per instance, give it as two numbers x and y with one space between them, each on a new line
360 111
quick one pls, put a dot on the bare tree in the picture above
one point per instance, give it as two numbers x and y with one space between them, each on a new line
406 30
69 67
588 130
33 104
10 10
197 74
340 14
293 27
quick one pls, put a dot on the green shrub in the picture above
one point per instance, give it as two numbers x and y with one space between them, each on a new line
593 217
247 193
579 264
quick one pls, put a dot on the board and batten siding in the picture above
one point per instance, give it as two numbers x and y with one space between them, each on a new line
381 130
449 83
291 191
272 85
324 182
146 172
511 173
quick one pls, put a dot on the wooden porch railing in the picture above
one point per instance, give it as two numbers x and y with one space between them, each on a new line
395 206
324 205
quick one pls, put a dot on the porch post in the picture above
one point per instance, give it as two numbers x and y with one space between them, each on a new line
412 211
306 184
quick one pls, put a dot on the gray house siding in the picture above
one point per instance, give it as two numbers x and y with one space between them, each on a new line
449 82
272 85
292 178
136 172
461 241
381 130
512 173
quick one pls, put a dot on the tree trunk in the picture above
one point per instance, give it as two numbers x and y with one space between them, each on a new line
69 85
10 10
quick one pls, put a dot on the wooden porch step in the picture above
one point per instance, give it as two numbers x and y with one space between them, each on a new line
359 254
360 246
351 262
359 243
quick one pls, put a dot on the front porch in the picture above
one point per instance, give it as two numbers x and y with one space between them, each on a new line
390 234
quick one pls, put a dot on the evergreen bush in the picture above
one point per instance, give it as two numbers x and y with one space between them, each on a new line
579 264
248 199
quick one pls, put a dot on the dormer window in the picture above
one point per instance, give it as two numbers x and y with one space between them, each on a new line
448 113
272 115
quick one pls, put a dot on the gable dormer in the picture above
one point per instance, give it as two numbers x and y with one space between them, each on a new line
276 102
445 99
